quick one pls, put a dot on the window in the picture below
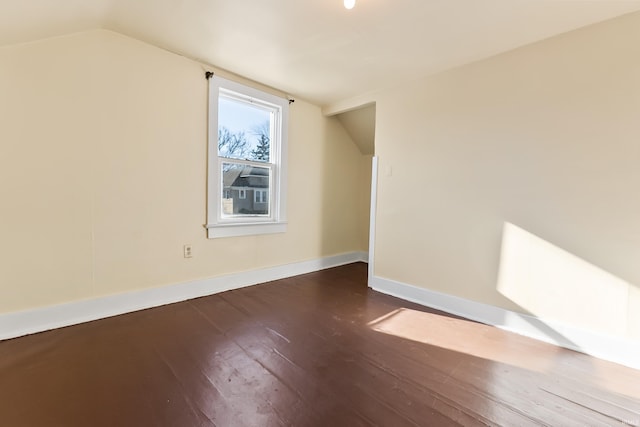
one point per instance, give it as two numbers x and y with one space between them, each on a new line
260 196
247 154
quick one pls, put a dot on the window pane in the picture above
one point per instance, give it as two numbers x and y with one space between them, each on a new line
248 188
244 130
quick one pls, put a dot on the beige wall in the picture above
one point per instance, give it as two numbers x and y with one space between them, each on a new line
515 181
103 175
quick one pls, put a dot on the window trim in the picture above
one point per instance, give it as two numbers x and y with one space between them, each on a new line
218 226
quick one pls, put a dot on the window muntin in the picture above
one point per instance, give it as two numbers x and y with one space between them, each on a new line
247 168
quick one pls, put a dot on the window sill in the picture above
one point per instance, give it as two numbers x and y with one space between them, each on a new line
215 231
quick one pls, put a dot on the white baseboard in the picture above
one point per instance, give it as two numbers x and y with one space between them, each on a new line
362 256
605 347
27 322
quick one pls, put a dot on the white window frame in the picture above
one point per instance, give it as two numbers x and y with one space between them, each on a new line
219 225
242 193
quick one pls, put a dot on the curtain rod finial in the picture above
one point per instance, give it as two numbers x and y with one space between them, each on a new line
208 74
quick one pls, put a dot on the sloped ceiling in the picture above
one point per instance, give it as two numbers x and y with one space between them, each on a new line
315 49
360 125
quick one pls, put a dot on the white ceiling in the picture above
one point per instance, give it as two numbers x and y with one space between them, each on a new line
315 49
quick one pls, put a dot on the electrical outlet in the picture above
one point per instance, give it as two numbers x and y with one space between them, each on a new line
188 251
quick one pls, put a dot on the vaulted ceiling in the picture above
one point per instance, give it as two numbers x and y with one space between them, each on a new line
316 49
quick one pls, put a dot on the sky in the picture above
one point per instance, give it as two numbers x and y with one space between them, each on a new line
241 117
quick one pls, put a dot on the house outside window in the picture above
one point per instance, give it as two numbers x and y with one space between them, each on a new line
247 160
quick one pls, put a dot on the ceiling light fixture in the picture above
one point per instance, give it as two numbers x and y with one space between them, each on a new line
349 4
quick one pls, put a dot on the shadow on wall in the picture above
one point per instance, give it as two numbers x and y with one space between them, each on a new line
553 284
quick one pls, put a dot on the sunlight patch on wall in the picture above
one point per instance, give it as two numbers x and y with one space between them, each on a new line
554 284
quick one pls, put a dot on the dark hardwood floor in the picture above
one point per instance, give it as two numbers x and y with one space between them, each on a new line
314 350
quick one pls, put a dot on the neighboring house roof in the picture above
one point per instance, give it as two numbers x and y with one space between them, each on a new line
229 176
249 176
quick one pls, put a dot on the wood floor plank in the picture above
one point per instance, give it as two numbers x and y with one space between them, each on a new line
313 350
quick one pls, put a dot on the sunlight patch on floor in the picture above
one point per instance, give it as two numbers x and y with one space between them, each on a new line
464 336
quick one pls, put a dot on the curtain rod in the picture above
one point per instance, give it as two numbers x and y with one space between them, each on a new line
209 74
